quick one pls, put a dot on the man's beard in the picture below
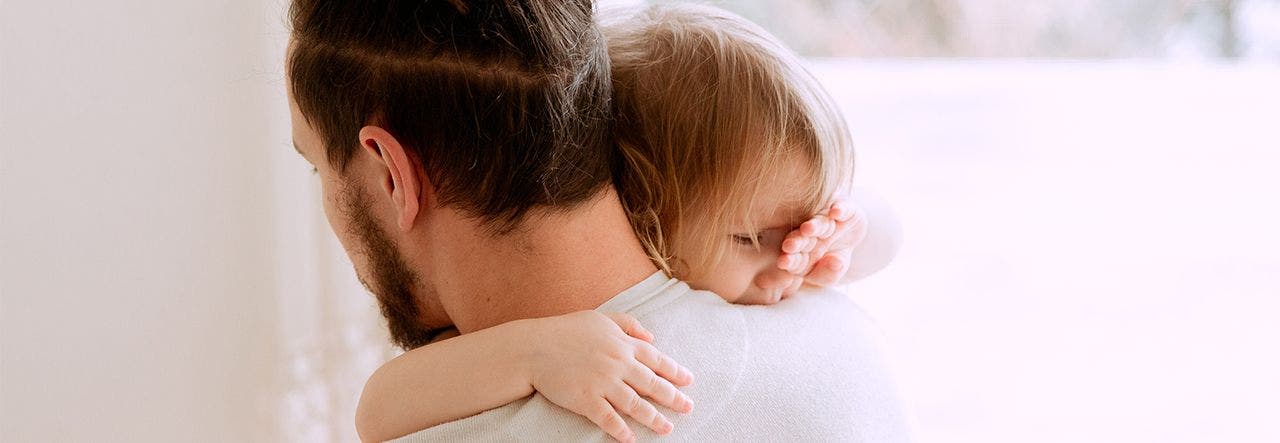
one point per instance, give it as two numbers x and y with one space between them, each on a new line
390 279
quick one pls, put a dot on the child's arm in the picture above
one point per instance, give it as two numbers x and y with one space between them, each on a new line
845 244
593 364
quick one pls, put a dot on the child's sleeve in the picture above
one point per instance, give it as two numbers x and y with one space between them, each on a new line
884 236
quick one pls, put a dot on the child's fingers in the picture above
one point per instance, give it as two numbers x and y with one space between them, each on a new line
846 233
822 245
841 210
606 417
818 226
631 326
837 212
663 366
800 263
629 402
793 263
796 243
647 383
827 271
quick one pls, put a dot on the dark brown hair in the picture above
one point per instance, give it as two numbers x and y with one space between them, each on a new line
505 103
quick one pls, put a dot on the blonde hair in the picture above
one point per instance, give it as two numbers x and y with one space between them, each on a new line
709 109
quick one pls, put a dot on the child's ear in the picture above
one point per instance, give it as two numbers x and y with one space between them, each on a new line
403 179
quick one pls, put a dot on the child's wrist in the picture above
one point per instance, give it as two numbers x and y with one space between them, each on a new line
524 346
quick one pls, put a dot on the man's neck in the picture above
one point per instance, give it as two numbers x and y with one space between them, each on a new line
555 264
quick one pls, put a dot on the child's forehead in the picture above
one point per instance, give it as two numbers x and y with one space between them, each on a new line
777 214
781 191
784 199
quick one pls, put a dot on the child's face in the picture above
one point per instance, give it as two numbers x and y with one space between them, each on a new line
748 274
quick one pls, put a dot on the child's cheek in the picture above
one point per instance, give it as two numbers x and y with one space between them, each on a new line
730 279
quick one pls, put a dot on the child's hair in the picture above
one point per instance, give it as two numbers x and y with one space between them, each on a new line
709 109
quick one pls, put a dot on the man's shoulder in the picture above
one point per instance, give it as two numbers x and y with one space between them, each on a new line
685 308
806 368
814 368
824 311
680 302
817 311
811 367
819 326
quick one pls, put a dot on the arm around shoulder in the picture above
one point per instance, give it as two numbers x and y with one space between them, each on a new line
444 381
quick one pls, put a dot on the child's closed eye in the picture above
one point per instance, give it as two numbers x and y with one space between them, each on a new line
768 239
747 239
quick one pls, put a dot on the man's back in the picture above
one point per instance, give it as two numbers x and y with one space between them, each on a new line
808 368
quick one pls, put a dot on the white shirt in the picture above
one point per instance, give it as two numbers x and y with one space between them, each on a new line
809 368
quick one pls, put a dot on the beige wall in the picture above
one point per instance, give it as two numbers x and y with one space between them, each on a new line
136 251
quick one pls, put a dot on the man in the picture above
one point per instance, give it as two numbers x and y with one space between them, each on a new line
465 156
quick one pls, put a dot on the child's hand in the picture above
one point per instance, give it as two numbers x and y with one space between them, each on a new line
821 248
600 365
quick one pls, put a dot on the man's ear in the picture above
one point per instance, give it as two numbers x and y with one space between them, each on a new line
404 177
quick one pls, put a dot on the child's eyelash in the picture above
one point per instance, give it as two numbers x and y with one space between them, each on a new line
743 239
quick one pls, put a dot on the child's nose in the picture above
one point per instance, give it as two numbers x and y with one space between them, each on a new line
792 288
773 279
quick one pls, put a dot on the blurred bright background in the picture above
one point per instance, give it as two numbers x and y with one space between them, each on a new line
1088 191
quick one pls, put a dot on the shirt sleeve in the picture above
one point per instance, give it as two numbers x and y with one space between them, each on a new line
883 240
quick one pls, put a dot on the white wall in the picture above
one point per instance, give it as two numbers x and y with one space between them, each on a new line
137 261
1091 252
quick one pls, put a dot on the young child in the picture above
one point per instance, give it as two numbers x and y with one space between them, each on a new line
728 149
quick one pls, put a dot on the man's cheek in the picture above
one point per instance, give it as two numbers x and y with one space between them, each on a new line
336 223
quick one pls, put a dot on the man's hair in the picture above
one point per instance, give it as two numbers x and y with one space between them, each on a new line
505 103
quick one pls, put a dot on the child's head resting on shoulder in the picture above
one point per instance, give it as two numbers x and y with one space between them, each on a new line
727 142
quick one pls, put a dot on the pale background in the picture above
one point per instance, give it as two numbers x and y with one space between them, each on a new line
1088 191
